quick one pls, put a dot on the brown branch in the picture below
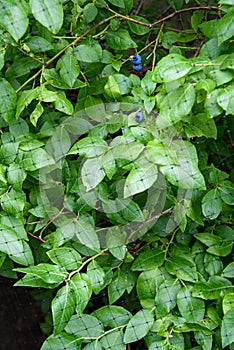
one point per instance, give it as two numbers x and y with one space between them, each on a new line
36 237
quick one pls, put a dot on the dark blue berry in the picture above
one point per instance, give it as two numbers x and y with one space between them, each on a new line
34 33
102 43
139 117
137 67
136 59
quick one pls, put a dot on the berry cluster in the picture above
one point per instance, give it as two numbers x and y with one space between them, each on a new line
136 60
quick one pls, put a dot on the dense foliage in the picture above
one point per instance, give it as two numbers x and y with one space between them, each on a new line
116 192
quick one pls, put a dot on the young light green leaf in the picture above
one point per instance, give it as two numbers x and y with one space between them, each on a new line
138 326
228 302
192 309
63 306
35 115
13 18
140 179
48 13
89 147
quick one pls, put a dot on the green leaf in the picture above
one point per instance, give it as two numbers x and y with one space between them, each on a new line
82 289
87 53
211 204
47 272
115 338
69 69
148 260
226 100
36 159
12 244
117 286
225 27
61 341
16 175
171 67
229 271
120 40
90 12
85 326
192 309
64 256
228 302
140 179
92 173
33 281
8 100
227 334
86 235
35 115
112 89
89 147
211 289
112 316
96 276
115 242
147 285
182 267
138 326
39 44
147 84
13 202
48 13
176 105
63 306
138 28
226 190
118 3
165 299
13 18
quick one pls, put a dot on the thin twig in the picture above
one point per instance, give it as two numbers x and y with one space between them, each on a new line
36 237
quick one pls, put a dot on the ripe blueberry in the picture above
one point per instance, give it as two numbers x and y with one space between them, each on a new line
102 43
137 67
136 59
139 117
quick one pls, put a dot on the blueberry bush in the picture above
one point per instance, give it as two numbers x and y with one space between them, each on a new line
116 179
